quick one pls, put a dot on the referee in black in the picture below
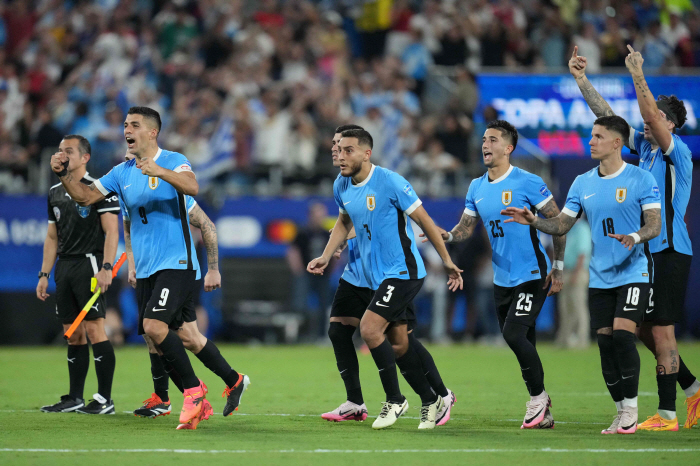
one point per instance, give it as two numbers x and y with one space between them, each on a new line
81 236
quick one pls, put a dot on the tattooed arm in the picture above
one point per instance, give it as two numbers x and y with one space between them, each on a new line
199 219
559 225
650 230
577 67
551 210
464 228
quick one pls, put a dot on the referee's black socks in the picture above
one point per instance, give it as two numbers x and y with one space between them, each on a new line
103 354
346 359
212 360
385 360
78 363
175 354
429 368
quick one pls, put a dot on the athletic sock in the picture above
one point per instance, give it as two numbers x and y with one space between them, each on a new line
172 374
78 364
530 364
668 415
160 376
346 359
610 368
685 377
429 368
213 360
629 402
175 354
103 354
385 360
693 389
628 359
666 384
412 371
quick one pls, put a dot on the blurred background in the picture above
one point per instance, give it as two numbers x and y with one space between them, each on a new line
251 92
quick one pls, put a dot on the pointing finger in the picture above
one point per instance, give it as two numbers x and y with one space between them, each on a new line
574 55
630 48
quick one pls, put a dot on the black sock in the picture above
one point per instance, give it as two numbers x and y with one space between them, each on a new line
160 376
78 364
212 360
385 360
429 368
103 354
172 373
412 371
628 359
610 367
530 364
685 377
175 354
346 359
666 384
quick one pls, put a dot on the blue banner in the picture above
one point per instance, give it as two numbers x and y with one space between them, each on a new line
550 112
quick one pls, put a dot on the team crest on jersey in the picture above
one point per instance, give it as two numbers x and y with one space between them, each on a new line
153 182
371 202
621 195
507 197
57 213
83 211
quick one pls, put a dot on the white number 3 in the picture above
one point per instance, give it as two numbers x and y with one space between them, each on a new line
389 290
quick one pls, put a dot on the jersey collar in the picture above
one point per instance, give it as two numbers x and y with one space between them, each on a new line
614 175
502 177
359 185
155 157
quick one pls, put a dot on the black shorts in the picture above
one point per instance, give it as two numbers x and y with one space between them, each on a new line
626 301
350 300
393 300
667 296
73 278
520 304
168 296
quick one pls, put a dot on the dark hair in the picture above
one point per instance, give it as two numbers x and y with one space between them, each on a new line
617 124
673 108
83 144
363 137
342 128
147 113
507 130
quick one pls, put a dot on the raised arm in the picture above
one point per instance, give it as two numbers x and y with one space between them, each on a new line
556 275
559 225
81 193
650 230
577 68
212 280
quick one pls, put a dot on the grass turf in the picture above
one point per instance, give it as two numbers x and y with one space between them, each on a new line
278 421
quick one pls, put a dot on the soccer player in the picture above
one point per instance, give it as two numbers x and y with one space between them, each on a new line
615 197
153 187
379 201
668 158
520 265
82 237
352 298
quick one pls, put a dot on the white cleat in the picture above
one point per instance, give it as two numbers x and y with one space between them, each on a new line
389 414
613 427
536 411
444 414
348 411
428 414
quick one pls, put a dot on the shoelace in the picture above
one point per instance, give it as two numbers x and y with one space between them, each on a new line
616 422
424 413
151 402
386 407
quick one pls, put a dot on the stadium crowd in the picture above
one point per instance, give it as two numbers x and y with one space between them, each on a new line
250 91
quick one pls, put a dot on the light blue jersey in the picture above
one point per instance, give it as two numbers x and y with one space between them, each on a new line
673 172
379 208
614 204
189 202
160 233
353 273
518 255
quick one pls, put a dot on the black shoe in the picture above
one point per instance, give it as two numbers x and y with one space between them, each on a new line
235 393
67 404
99 405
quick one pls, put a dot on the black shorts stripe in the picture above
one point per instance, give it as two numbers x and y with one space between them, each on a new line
184 219
647 253
411 264
668 195
541 261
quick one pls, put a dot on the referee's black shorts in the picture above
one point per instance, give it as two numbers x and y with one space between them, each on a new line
168 296
667 295
73 275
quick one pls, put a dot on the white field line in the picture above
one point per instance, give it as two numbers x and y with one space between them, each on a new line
461 450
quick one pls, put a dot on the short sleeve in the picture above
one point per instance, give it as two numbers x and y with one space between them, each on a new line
680 156
537 192
649 195
190 203
52 216
469 204
110 182
403 194
572 208
636 142
336 195
177 163
110 204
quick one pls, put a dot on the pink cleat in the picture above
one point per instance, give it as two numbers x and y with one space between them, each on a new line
192 404
204 414
348 411
536 411
444 414
628 421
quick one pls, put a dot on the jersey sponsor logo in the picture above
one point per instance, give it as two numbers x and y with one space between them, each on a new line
407 189
621 195
184 168
83 211
655 191
507 197
57 213
590 195
371 202
153 182
545 191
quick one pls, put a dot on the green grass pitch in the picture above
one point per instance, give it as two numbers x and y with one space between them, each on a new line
279 423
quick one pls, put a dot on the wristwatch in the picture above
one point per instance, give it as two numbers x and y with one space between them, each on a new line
44 274
107 266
